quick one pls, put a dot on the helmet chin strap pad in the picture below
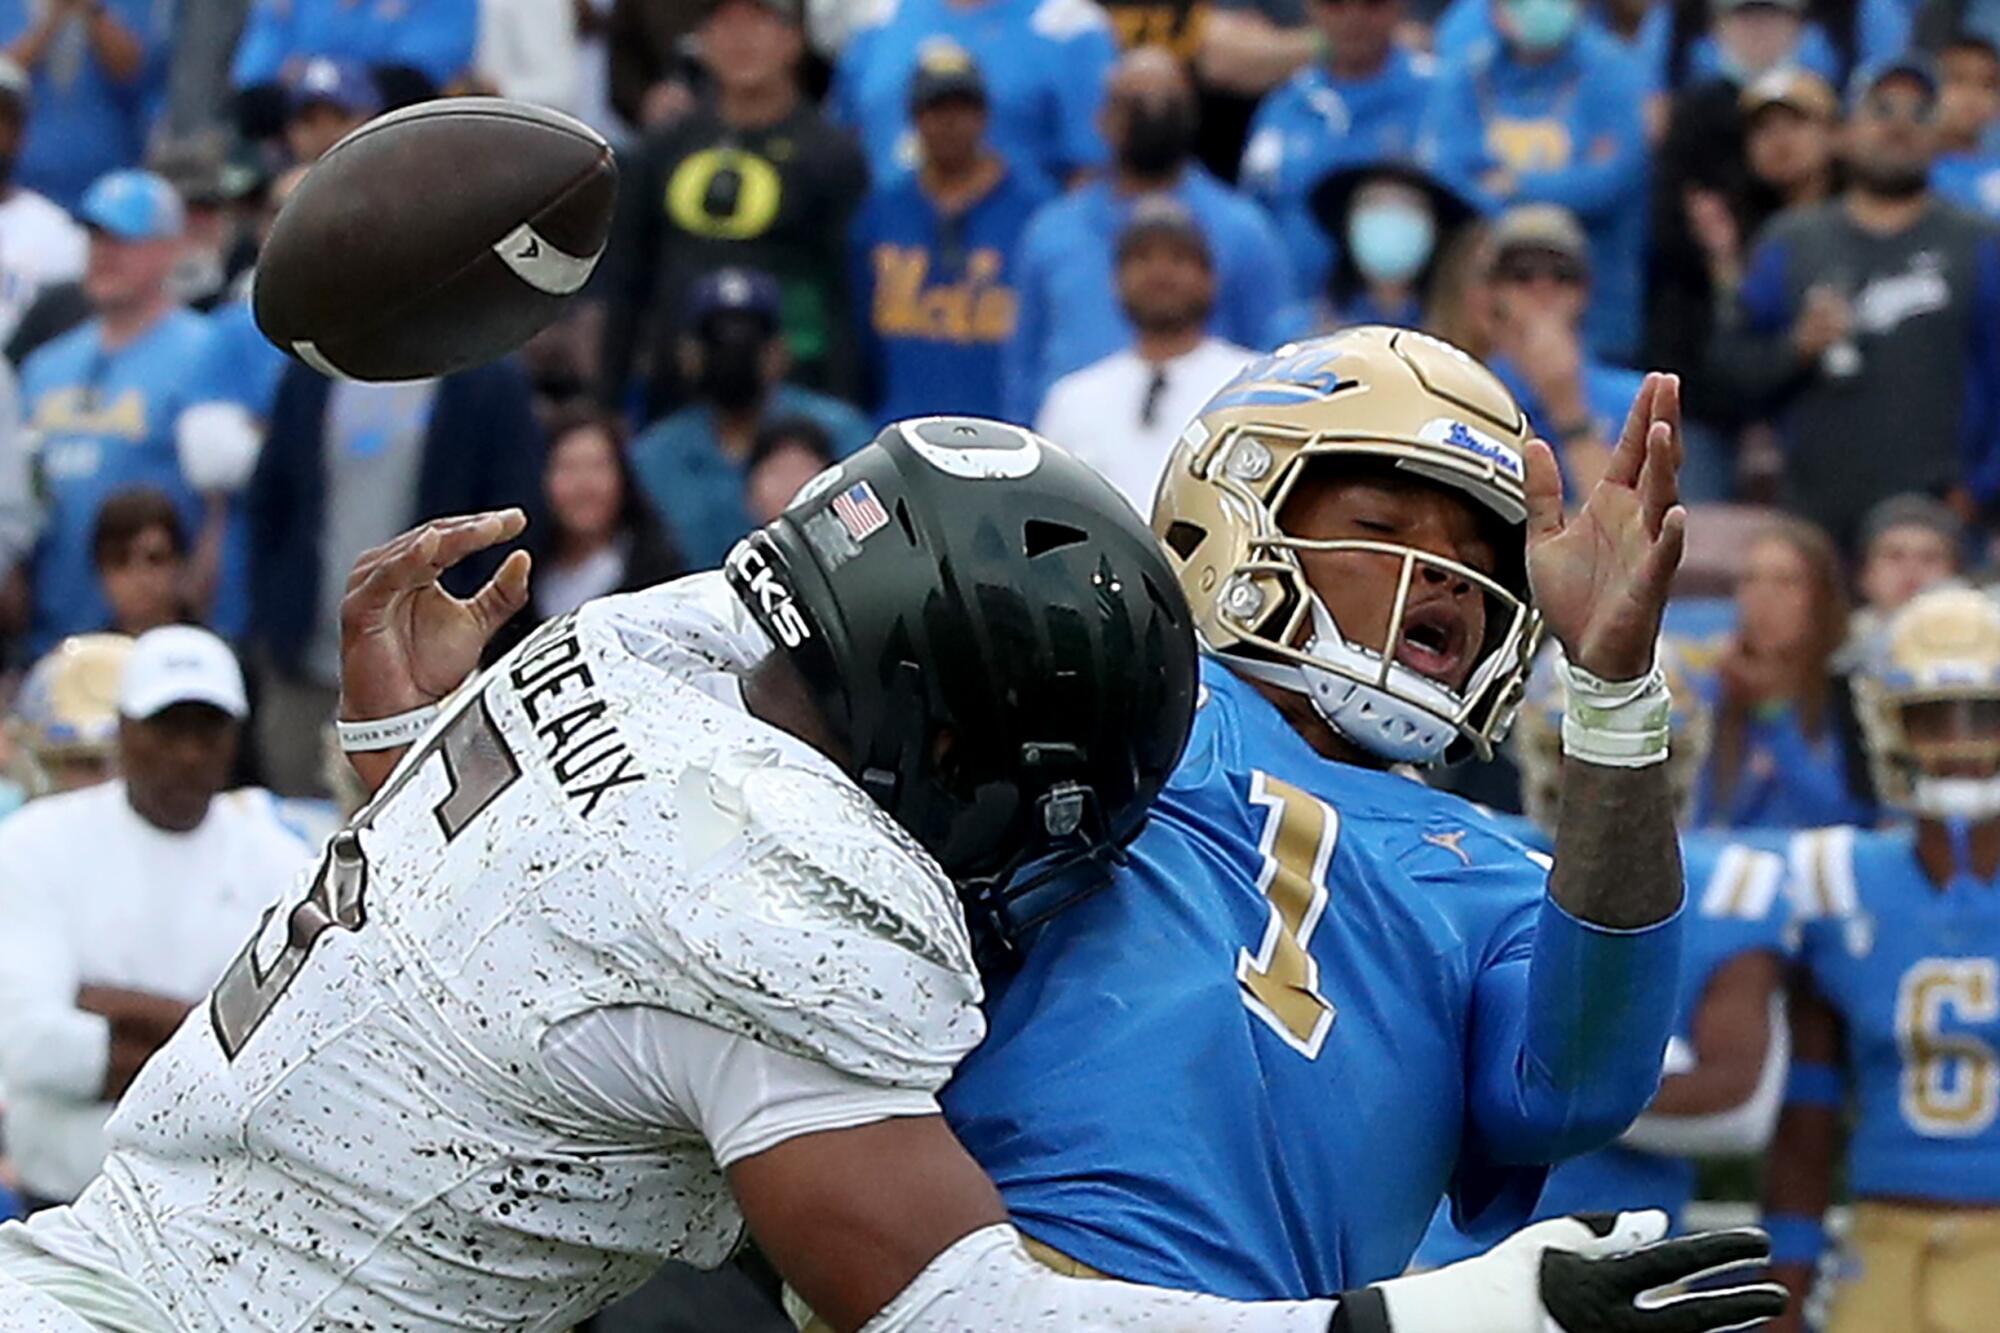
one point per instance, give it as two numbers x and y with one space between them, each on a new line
1384 724
1956 798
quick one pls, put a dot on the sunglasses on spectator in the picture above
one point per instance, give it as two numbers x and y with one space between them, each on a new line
1527 269
1917 110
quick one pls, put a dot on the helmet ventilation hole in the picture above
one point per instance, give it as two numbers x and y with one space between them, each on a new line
1183 537
1039 536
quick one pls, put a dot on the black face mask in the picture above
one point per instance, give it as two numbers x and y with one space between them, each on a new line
732 372
1158 138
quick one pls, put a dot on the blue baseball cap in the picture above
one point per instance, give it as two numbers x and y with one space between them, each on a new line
746 291
346 84
133 205
1910 65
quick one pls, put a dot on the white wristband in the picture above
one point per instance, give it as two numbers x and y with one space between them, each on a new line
1620 724
384 733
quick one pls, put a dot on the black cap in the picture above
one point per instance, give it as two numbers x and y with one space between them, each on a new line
945 70
745 291
791 11
1333 196
1162 217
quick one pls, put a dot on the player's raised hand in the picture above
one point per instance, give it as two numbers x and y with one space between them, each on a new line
1600 576
405 641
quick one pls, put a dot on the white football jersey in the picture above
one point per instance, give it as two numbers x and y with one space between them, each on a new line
360 1131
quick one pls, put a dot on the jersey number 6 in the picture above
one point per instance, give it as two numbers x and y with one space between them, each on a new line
1280 980
478 768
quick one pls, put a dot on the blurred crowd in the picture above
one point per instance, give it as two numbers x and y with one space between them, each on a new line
1076 215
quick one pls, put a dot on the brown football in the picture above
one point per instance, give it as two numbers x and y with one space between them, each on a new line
436 238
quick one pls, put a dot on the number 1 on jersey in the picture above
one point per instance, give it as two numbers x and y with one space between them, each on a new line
1280 980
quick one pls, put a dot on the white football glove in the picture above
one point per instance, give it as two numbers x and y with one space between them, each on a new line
218 443
1596 1274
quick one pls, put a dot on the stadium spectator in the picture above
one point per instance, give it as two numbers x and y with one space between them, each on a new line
325 100
40 244
1784 753
200 176
91 64
344 466
601 535
934 255
527 49
1362 100
1395 226
1909 543
654 74
1967 171
1123 414
733 354
788 453
1867 324
104 397
755 177
1541 288
218 435
64 727
124 902
1551 114
1789 122
413 47
1830 38
1069 313
1045 62
140 550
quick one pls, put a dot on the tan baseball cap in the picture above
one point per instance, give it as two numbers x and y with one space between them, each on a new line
1799 89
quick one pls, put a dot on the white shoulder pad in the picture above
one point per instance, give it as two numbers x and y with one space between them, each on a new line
1822 874
815 924
1060 20
1744 884
690 625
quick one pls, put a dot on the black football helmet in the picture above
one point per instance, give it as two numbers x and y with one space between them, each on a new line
998 641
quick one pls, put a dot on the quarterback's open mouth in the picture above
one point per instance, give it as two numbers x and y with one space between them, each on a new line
1434 642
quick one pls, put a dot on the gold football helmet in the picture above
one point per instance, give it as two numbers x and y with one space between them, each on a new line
1928 699
1536 741
65 720
1396 398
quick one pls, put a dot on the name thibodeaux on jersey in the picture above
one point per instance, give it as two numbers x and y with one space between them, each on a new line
578 740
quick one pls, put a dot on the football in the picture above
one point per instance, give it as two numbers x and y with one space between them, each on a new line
436 238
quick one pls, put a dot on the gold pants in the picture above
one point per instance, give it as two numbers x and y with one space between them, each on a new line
1920 1270
809 1322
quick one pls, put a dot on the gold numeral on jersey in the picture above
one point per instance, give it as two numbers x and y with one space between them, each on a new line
1951 1081
1281 979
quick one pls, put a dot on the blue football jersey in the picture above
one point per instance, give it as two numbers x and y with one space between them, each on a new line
1736 905
1253 1063
1914 973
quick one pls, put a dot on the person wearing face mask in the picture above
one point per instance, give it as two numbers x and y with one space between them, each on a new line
1866 325
1391 224
1361 101
692 463
1552 114
1069 314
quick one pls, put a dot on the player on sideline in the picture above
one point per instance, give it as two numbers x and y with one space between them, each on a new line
1896 1003
622 946
1726 1064
1320 995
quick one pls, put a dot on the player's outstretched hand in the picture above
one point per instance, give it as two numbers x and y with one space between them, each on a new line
405 641
1598 1274
1600 575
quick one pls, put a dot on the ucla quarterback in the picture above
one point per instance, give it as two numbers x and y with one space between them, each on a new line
1319 994
1726 1065
1896 1029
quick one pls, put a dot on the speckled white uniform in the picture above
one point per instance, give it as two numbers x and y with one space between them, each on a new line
386 1149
